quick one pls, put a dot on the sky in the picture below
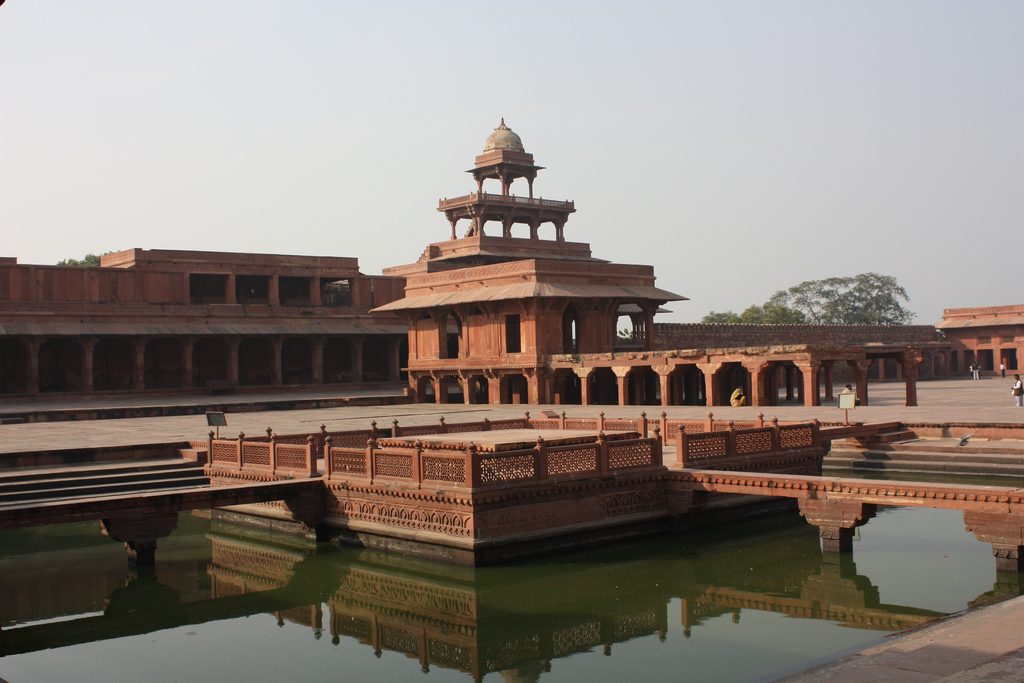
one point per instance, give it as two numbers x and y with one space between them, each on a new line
738 147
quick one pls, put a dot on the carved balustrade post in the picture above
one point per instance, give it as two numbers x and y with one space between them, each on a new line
815 432
760 419
273 453
600 421
656 453
322 437
730 440
776 434
239 445
541 456
311 465
643 424
417 463
602 453
487 424
681 446
561 421
663 424
209 449
328 461
371 444
394 429
474 466
709 424
443 426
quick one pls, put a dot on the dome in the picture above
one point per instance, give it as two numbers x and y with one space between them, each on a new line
503 138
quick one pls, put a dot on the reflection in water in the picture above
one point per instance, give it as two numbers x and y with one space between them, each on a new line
515 619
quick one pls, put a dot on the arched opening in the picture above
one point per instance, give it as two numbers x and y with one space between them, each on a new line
337 360
729 378
783 384
210 360
570 330
520 231
113 364
13 367
515 390
451 389
686 386
164 364
604 387
547 231
479 390
568 388
60 365
425 390
452 326
297 361
255 362
630 328
643 387
954 363
376 366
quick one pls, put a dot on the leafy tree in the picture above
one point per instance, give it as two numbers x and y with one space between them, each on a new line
865 299
89 261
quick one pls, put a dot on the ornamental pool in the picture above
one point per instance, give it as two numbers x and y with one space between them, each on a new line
744 602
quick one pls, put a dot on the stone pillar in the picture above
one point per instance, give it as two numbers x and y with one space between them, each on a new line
757 376
233 344
88 363
910 361
318 360
32 372
836 520
584 375
314 291
712 396
809 369
826 367
276 377
187 349
438 384
665 384
464 383
860 376
357 358
139 367
621 374
533 388
230 291
395 360
493 388
274 290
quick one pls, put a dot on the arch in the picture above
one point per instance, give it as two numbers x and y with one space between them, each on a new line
567 387
211 357
547 230
686 386
163 363
297 361
451 389
255 362
337 360
732 376
376 361
630 328
425 390
60 365
643 387
954 364
604 387
515 389
479 390
13 367
570 330
113 364
451 324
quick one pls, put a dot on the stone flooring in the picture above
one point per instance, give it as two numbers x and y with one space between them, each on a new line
985 644
959 400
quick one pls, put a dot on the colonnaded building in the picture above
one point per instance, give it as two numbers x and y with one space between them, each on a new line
520 315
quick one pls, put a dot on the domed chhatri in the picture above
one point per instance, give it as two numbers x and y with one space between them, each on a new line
503 138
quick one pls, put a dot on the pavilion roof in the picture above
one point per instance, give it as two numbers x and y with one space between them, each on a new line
960 322
532 290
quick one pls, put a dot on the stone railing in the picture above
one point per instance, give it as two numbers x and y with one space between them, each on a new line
503 199
272 455
481 466
708 449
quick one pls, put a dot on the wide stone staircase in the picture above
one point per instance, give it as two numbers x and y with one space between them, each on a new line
21 486
901 452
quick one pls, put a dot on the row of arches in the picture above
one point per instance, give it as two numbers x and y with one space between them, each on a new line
69 364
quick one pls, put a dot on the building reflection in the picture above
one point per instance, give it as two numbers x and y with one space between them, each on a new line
516 620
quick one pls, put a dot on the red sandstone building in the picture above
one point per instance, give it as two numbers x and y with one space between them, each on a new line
155 320
987 335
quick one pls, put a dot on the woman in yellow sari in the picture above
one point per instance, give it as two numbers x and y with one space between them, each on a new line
738 398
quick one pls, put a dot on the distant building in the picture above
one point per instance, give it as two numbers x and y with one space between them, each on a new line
157 320
987 335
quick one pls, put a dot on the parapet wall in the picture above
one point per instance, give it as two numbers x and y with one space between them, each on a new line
723 335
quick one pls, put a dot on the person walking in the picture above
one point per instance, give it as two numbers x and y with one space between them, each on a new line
1002 368
976 370
1018 392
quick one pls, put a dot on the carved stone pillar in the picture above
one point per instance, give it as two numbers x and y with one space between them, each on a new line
910 361
318 360
826 372
836 521
665 384
810 369
32 372
276 378
395 360
357 358
621 375
187 349
230 290
139 366
584 375
860 377
88 363
712 396
274 290
233 344
314 291
757 372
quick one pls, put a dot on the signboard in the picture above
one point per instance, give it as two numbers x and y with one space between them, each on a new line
847 400
215 419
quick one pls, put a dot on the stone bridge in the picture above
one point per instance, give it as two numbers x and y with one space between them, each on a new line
995 514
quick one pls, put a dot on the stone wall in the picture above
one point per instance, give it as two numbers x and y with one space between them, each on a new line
723 335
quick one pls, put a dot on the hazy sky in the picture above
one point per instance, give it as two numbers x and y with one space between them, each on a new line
739 147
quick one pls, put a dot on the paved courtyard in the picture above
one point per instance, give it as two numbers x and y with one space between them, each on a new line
957 400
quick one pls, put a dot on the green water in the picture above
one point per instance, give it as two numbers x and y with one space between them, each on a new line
741 603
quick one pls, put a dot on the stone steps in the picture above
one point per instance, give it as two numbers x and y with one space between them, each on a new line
926 458
30 486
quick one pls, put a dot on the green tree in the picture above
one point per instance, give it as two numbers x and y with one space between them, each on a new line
865 299
89 260
767 314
